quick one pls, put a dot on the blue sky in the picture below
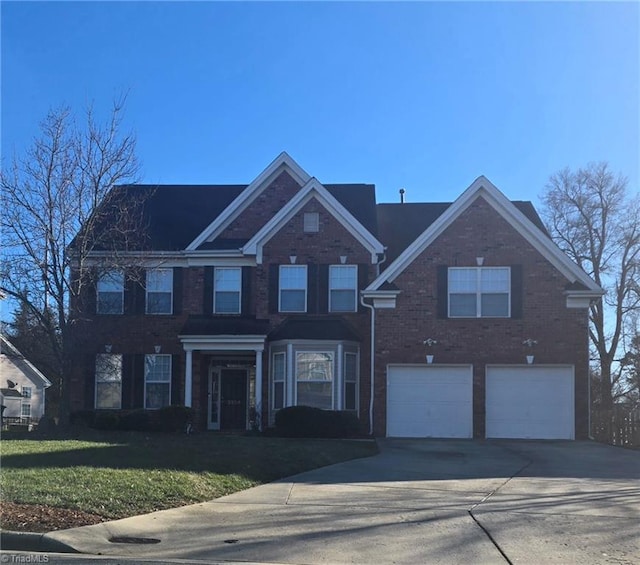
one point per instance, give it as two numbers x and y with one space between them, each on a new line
425 96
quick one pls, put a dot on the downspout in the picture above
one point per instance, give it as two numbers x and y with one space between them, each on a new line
372 348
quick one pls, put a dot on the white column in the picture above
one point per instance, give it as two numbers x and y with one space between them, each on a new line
188 378
259 387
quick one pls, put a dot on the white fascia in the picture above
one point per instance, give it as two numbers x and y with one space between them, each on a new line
313 189
223 342
381 299
155 259
282 162
482 187
582 298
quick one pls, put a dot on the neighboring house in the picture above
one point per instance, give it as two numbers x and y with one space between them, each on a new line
250 298
22 390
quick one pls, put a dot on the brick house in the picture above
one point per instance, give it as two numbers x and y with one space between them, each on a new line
249 298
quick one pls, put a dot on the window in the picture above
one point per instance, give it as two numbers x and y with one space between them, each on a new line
160 291
314 379
110 293
157 381
279 372
342 288
26 411
26 392
311 222
479 292
108 380
293 288
350 381
227 285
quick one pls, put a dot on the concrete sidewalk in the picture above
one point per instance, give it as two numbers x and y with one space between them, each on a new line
418 501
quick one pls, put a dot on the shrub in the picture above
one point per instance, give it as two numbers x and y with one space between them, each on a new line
82 418
135 420
172 418
106 420
305 421
167 419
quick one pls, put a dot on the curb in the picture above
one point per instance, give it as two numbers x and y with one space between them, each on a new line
31 541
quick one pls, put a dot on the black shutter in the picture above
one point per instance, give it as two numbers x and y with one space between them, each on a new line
176 380
312 288
247 273
274 287
134 293
442 291
207 299
127 382
363 280
138 380
516 291
90 294
90 383
323 289
178 273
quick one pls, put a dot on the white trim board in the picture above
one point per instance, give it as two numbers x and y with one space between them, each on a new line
282 162
313 189
482 187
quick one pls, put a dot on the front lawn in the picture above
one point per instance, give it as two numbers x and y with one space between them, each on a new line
119 474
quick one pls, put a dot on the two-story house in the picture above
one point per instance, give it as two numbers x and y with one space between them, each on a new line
250 298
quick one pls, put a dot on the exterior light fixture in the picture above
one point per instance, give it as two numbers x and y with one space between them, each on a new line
292 259
108 348
157 348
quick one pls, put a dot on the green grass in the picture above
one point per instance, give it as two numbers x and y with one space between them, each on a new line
118 474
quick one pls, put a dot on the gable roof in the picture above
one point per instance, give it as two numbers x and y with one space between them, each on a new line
313 190
281 163
9 353
516 216
399 224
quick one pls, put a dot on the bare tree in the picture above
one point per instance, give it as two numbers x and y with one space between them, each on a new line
59 207
592 216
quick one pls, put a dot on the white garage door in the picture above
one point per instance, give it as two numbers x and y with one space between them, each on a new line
529 401
429 401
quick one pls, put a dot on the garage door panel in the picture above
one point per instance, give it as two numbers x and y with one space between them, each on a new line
429 401
530 402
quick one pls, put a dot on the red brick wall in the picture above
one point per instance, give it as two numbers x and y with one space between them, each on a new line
561 332
263 208
136 334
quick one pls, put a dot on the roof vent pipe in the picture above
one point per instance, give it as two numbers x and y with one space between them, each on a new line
402 196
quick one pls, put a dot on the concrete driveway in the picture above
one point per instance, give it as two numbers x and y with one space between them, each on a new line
418 501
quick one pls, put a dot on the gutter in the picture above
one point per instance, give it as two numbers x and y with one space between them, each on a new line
372 361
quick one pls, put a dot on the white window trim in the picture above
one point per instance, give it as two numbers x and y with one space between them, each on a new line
239 291
333 373
157 382
95 381
22 407
478 293
306 289
170 292
283 381
355 290
25 389
103 274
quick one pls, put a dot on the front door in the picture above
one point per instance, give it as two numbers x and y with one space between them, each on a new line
233 399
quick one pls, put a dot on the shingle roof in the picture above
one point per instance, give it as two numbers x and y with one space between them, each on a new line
174 215
400 224
314 328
